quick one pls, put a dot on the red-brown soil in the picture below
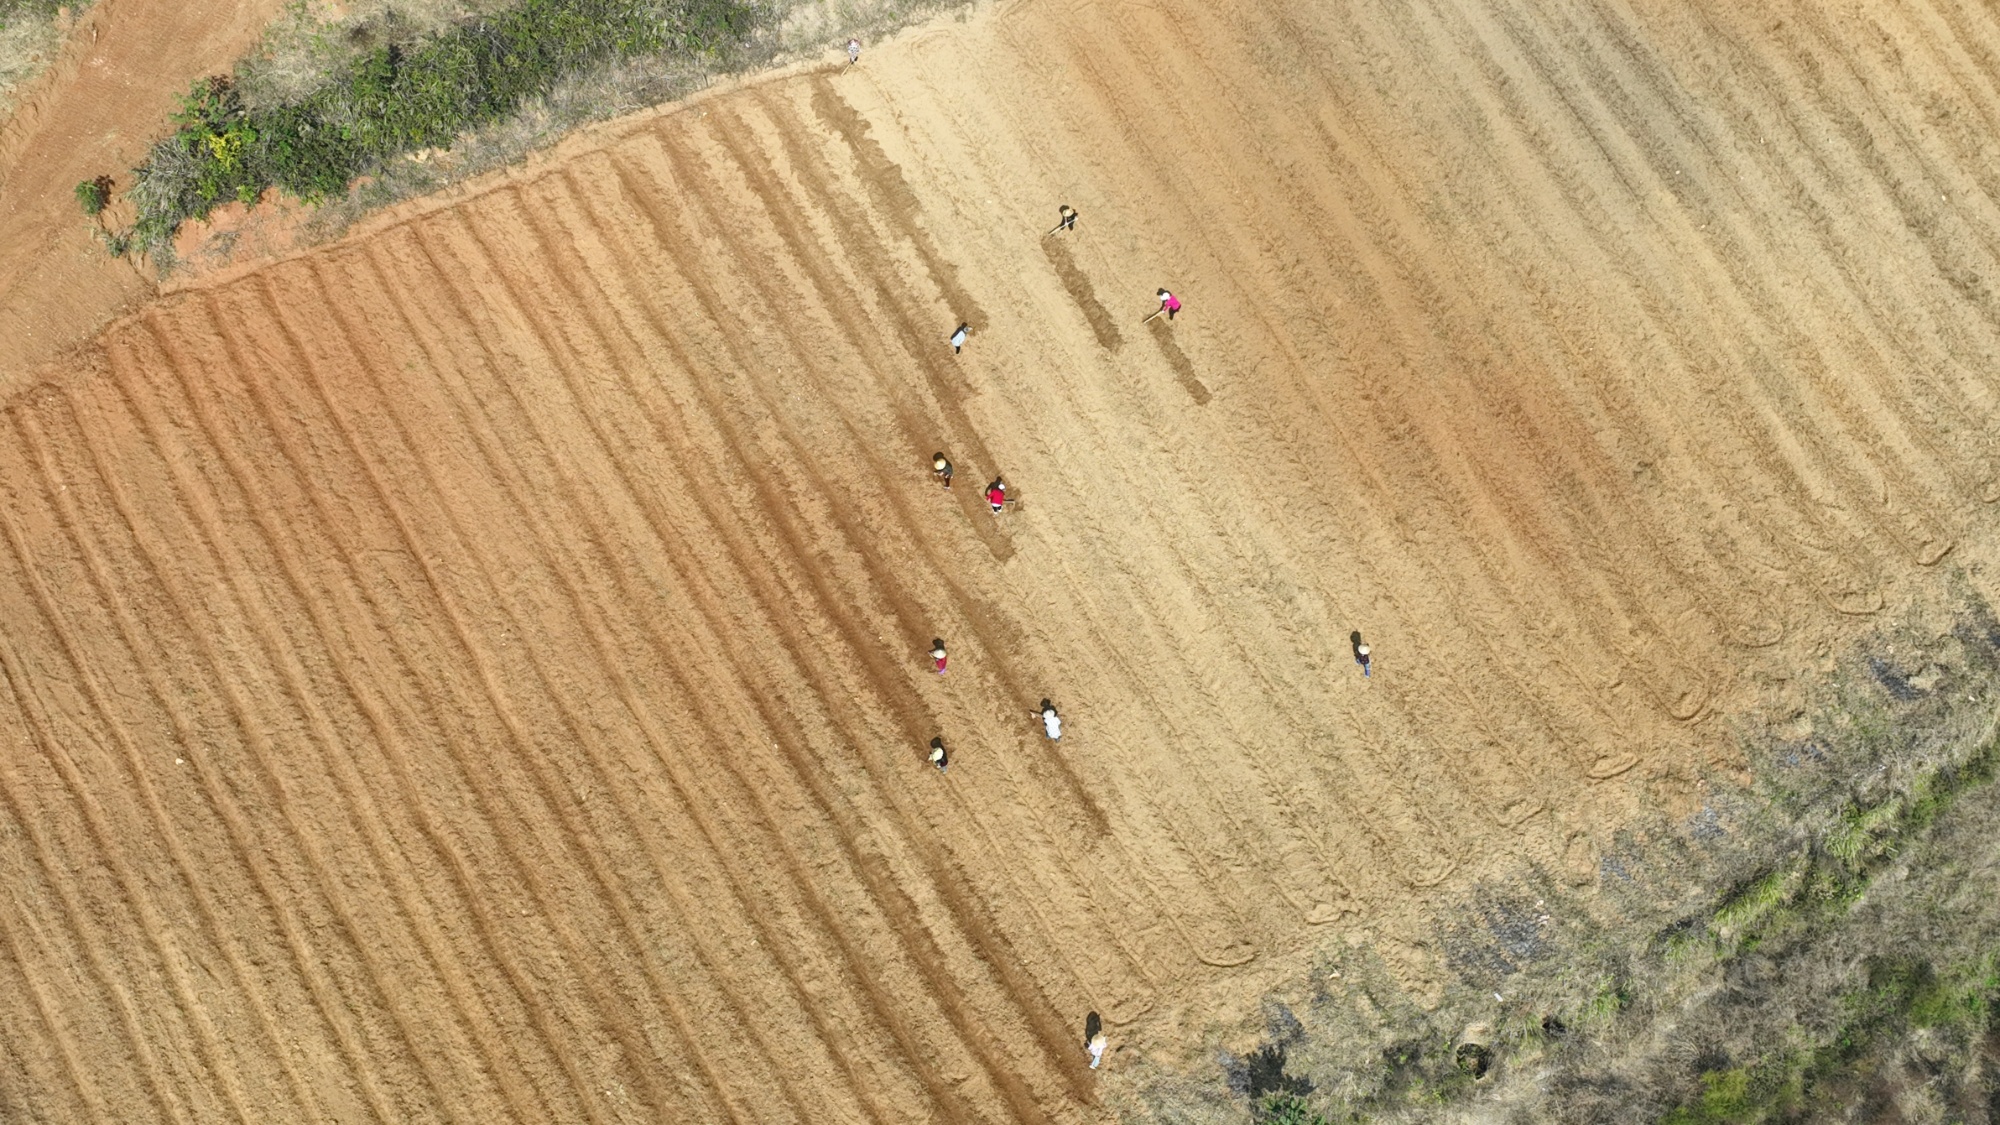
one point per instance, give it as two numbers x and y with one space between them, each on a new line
106 99
476 671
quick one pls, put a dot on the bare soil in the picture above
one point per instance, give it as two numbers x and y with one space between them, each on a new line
478 670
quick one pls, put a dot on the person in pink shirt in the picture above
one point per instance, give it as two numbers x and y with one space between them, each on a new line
1169 304
937 655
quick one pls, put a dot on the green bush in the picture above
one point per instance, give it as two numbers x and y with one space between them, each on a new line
400 98
94 195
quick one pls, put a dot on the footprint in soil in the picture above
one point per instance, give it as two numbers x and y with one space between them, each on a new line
1236 953
1611 765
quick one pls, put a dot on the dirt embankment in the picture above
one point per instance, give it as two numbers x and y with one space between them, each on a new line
120 73
476 671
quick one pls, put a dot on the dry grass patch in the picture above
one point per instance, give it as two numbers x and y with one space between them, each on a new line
31 33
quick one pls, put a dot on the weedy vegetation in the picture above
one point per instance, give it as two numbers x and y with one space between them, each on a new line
404 95
398 98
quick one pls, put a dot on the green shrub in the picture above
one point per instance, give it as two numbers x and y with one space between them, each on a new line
402 97
94 195
1287 1109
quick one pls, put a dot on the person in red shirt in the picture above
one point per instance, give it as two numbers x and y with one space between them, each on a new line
996 495
937 655
1169 304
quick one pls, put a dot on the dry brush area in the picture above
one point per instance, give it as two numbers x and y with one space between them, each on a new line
476 671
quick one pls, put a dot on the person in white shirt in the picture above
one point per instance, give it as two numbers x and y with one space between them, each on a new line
1096 1050
958 337
853 51
1051 722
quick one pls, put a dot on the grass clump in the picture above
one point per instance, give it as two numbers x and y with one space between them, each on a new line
400 97
1725 1097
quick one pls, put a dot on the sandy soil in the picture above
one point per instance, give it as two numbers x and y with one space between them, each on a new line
106 98
476 671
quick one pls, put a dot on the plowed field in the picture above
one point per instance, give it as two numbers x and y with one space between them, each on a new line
476 671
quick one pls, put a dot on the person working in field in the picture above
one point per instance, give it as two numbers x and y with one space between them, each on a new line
1051 722
853 51
937 656
958 337
1065 218
939 758
941 469
1169 304
996 495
